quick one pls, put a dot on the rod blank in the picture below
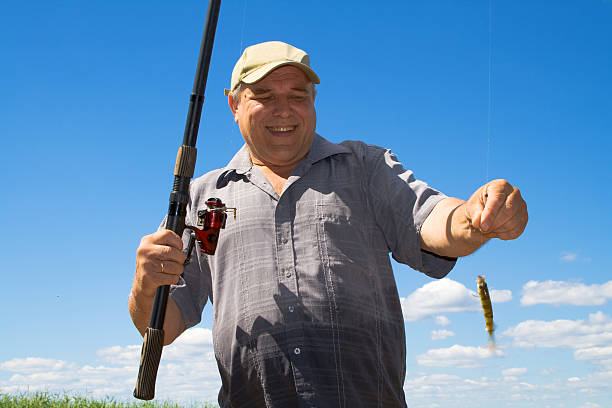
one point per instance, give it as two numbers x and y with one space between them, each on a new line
179 197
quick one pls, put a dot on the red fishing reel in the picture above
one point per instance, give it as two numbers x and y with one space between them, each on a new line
211 221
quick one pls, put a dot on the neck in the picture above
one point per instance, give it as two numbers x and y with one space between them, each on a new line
280 171
283 171
277 175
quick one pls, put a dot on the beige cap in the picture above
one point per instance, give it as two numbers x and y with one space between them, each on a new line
258 60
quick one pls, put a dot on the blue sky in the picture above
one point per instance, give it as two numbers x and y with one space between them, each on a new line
93 106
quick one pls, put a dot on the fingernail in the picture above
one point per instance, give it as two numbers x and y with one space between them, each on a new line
484 226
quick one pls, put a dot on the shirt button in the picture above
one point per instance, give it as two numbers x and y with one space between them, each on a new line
297 351
287 273
291 309
284 240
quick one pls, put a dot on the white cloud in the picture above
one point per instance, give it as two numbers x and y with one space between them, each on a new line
568 256
120 355
442 321
457 356
434 379
445 296
500 296
547 371
31 365
441 334
598 355
453 390
514 371
577 334
188 371
559 292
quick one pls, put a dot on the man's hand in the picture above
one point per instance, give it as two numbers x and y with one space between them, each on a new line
159 261
457 228
497 210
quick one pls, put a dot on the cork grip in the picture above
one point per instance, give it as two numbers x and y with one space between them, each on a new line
150 356
185 161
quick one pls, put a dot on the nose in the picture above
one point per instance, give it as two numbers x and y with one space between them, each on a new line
282 107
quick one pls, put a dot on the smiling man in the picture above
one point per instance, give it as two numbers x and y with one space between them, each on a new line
277 119
306 310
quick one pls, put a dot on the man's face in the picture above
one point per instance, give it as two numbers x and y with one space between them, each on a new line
277 118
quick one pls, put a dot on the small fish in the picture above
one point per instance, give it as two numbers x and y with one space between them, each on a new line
487 308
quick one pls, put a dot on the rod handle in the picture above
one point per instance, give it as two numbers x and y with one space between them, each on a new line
150 356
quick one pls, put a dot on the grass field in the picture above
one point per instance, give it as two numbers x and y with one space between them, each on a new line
47 400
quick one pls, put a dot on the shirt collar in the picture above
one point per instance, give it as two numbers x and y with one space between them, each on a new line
241 162
321 148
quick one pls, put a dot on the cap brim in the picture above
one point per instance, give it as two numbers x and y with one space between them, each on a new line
264 70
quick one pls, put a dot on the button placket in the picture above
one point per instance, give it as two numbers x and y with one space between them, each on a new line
284 243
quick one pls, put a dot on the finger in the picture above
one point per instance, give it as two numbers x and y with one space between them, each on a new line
513 228
164 237
157 264
156 279
475 217
152 273
168 253
472 210
147 252
509 212
495 194
512 218
170 268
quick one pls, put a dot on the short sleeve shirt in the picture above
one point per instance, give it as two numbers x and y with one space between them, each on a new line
306 312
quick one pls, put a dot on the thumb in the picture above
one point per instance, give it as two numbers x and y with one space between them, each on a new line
475 207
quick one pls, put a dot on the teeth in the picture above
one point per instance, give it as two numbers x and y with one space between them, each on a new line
281 129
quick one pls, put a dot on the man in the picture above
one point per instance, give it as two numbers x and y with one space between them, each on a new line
306 310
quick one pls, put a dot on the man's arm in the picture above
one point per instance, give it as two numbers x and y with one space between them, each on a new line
159 261
457 228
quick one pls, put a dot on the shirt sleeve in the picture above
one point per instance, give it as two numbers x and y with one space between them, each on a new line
192 290
401 203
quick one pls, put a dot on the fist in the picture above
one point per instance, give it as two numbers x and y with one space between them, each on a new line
159 261
498 210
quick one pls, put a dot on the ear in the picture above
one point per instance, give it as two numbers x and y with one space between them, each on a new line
233 106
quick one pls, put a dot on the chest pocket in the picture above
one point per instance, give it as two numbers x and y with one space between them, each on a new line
342 229
349 264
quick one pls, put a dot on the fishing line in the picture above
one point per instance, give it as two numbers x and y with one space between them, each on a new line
230 136
243 24
490 91
483 291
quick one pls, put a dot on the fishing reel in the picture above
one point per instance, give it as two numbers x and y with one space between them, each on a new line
210 220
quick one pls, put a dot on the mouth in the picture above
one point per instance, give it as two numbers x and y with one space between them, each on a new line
281 130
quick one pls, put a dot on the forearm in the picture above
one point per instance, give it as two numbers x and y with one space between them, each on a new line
448 230
140 307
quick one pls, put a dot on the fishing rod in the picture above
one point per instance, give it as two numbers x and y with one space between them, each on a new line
153 340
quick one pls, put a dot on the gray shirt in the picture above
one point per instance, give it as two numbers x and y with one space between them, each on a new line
306 309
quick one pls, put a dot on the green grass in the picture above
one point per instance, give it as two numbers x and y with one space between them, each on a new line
47 400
